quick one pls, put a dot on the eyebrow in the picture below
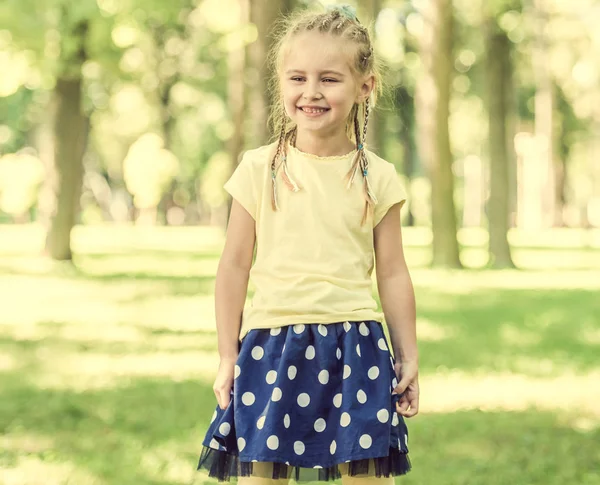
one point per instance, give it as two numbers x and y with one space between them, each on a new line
329 71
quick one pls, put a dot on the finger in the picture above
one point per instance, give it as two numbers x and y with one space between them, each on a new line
402 385
402 405
413 409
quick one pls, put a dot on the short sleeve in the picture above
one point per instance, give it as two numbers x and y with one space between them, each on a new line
390 193
242 185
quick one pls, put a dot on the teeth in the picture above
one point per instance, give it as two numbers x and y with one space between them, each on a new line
314 110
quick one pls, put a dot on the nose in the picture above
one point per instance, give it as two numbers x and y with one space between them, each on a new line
311 90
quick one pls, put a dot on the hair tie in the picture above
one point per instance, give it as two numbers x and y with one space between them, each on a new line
346 10
365 173
360 146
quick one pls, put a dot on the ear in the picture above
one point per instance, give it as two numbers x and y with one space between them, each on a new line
365 89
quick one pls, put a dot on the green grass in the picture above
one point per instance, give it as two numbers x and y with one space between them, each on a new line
106 367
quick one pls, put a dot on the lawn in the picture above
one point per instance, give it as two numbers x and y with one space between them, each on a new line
106 366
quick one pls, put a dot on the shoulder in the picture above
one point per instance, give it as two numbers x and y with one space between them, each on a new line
260 157
379 168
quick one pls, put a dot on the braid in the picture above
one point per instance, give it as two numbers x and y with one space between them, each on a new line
280 144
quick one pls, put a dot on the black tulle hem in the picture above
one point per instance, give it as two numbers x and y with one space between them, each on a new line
225 466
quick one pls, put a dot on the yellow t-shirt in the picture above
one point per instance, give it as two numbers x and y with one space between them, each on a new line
313 260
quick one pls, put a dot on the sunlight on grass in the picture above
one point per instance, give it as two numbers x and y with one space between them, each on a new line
431 331
35 471
464 282
89 370
574 394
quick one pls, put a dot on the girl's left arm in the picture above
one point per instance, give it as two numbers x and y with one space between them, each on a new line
398 302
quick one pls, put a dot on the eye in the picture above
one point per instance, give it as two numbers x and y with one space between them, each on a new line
330 80
297 78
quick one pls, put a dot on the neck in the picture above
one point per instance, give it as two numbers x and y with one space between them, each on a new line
324 146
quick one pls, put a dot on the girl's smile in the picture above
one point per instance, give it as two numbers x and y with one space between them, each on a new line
313 111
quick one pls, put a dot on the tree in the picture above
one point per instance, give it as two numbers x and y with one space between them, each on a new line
70 138
432 99
498 85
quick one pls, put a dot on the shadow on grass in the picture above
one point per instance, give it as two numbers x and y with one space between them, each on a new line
111 432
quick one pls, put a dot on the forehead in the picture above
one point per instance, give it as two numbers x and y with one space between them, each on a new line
316 51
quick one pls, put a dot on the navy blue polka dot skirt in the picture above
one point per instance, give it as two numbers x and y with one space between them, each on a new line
310 402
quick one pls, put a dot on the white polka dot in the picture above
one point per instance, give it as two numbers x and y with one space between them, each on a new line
214 416
254 461
394 383
299 447
248 398
273 442
299 328
257 352
303 400
214 444
333 447
292 371
361 396
365 441
337 400
338 354
363 329
261 422
358 349
287 463
237 371
345 419
320 425
224 429
324 376
310 352
283 349
275 331
317 466
241 443
406 440
381 344
373 372
323 330
347 326
286 420
395 419
383 415
347 371
271 377
276 396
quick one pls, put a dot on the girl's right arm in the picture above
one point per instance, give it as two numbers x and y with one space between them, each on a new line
231 287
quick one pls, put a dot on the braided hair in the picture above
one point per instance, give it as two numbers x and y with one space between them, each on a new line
339 21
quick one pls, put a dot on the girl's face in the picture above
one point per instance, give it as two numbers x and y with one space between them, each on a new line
318 86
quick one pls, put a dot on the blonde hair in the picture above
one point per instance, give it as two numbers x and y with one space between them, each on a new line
342 23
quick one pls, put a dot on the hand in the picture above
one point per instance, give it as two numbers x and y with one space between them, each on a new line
224 382
408 375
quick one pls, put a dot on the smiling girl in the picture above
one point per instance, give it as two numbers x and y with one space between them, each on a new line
307 387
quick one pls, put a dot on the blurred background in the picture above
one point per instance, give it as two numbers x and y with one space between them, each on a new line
120 120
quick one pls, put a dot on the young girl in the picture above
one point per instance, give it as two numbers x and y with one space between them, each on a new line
306 386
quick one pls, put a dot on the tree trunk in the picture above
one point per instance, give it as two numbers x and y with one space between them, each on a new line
498 84
432 99
544 107
70 132
263 14
236 98
405 104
